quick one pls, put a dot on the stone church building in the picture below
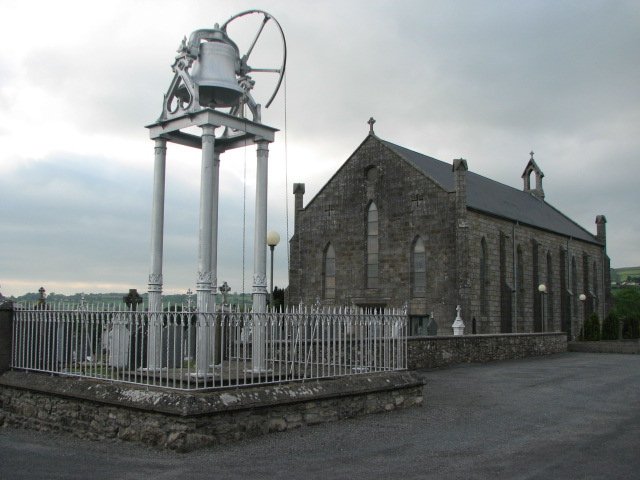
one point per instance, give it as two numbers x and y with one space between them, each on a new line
394 227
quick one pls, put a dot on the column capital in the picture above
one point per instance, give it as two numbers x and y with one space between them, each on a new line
155 282
204 278
262 144
208 129
260 281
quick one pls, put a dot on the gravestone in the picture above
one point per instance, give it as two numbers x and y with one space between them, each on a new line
432 326
137 330
119 338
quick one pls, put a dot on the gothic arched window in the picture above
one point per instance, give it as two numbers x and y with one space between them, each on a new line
484 278
574 285
418 269
372 246
520 281
329 272
549 298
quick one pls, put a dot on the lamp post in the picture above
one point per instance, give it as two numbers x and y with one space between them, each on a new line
582 297
273 238
542 288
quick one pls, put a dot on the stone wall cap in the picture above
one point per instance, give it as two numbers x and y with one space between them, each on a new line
488 335
188 403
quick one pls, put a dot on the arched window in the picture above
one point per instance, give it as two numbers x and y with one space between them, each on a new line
372 246
595 286
586 285
586 282
418 269
329 272
549 298
520 281
484 278
574 286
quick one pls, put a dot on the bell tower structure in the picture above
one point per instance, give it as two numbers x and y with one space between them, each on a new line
211 89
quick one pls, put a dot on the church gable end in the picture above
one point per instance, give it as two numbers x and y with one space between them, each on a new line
373 255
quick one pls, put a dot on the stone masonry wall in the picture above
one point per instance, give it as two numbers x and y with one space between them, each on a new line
338 215
187 421
548 245
444 351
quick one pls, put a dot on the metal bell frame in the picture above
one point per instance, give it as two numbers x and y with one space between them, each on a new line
175 105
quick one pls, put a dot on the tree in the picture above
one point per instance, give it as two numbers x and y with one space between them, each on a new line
628 302
610 326
631 327
278 297
591 329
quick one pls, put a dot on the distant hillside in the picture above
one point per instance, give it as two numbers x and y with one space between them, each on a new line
625 274
117 298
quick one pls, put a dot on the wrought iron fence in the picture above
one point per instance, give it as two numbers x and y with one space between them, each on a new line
184 349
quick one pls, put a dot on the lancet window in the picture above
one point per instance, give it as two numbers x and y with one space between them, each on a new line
372 246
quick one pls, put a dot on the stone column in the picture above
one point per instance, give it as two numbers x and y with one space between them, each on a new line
605 280
154 346
205 247
295 260
601 236
463 296
260 258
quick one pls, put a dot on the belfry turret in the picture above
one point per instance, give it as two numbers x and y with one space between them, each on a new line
532 168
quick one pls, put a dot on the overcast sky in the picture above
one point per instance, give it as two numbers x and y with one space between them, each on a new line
486 80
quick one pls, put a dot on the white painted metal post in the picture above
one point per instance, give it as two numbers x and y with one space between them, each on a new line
214 228
214 251
154 348
260 258
203 282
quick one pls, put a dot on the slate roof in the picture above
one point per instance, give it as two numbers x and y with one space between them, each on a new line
494 198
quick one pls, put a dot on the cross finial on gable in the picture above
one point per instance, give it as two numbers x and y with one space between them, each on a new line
531 153
371 122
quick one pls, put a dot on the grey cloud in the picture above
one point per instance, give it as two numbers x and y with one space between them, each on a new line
487 81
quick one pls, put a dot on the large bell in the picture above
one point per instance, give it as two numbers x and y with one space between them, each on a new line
214 73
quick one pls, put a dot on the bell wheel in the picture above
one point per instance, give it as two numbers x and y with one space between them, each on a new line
263 52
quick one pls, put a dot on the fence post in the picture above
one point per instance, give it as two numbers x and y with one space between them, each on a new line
6 334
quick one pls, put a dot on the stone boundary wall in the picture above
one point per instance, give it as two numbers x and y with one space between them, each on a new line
186 421
444 351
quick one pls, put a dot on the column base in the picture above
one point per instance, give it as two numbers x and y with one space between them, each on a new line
201 375
258 370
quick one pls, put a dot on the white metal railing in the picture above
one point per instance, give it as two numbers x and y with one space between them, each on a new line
195 350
